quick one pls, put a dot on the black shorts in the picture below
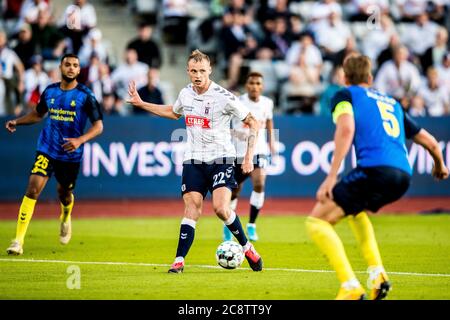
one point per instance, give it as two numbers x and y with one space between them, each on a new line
66 173
203 177
260 161
370 188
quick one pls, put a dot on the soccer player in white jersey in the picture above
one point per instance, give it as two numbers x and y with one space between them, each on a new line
261 108
209 158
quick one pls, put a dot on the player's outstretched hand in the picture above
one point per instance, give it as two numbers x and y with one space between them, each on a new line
11 125
326 188
72 144
135 99
440 172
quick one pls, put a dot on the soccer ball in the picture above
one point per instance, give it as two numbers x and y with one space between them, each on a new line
230 255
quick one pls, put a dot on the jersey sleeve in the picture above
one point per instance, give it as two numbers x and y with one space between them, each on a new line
178 106
235 107
411 127
92 108
341 103
42 106
270 110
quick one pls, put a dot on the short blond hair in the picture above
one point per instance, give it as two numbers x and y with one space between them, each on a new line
198 56
357 69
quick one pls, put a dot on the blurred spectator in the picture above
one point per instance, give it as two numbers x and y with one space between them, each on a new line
96 75
300 92
399 78
436 98
433 55
10 11
11 79
377 39
49 40
110 107
417 108
93 45
147 50
175 24
279 40
421 35
350 48
29 12
150 92
25 47
321 10
332 35
387 54
36 80
238 43
362 10
437 10
443 70
270 10
337 83
78 19
131 70
410 9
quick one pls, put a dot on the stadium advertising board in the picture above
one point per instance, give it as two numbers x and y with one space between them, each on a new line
141 157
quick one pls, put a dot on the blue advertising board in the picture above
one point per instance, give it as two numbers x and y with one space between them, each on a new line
140 157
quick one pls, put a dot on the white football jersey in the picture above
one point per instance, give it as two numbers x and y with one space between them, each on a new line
261 111
208 121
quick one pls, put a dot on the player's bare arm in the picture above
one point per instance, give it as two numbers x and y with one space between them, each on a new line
270 134
343 138
73 144
164 111
247 164
426 140
30 118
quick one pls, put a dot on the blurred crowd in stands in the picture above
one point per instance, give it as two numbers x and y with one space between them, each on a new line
299 47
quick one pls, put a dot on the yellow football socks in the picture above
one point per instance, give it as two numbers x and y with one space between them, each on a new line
363 230
66 211
326 238
25 213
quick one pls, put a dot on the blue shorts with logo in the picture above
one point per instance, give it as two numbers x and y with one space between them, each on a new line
370 188
207 176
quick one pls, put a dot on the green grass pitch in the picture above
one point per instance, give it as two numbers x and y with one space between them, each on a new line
415 250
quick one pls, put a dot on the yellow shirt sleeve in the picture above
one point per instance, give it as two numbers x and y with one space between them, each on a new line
341 108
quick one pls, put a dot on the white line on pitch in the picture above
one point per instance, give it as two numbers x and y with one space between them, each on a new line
142 264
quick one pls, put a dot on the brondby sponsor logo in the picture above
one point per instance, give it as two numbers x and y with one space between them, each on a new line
198 121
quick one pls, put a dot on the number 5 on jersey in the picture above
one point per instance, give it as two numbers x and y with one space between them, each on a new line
390 122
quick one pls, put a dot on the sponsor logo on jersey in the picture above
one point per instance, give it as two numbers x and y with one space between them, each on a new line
197 121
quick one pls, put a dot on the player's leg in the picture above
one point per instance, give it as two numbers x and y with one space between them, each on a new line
384 185
36 184
67 200
193 203
319 226
239 177
66 174
227 235
378 281
221 204
194 187
256 200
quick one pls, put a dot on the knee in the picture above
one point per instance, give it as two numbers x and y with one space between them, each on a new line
258 187
222 212
192 212
33 192
65 196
